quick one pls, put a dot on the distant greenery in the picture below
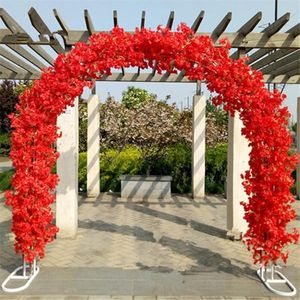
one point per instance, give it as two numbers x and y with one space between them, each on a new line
176 162
5 180
4 143
216 169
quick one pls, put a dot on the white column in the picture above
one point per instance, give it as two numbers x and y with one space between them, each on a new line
298 149
93 147
67 169
238 163
198 164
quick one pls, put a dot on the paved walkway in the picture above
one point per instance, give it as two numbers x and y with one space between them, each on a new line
164 248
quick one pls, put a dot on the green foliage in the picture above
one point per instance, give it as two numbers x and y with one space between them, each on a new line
219 114
5 180
175 161
112 165
134 97
5 143
83 124
216 169
9 92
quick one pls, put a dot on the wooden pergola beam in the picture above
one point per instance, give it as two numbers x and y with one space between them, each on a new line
60 21
27 55
292 68
143 18
220 28
88 22
16 60
292 77
115 20
269 31
10 66
15 28
294 31
169 25
250 24
198 21
282 62
41 27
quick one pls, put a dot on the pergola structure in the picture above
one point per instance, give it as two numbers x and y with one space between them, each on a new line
275 53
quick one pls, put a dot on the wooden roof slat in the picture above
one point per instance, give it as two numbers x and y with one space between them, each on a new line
115 20
41 27
15 28
295 31
250 24
61 22
288 69
143 18
270 30
282 62
170 20
220 28
88 22
8 65
277 25
8 74
198 21
38 23
194 27
16 60
169 25
27 55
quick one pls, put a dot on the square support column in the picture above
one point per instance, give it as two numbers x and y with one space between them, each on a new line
237 164
67 170
298 149
198 163
93 147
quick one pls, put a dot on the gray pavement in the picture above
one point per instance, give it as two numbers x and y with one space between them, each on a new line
175 248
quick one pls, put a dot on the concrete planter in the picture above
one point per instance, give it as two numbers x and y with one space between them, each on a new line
145 187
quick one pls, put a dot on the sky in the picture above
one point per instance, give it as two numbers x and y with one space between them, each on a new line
157 12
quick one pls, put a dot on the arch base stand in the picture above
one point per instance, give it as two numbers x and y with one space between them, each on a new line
267 276
29 272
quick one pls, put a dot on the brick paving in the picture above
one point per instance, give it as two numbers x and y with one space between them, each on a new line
152 247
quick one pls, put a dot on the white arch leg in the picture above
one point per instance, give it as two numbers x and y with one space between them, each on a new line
29 272
266 275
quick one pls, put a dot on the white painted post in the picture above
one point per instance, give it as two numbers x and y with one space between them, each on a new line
298 149
93 147
198 165
67 169
237 164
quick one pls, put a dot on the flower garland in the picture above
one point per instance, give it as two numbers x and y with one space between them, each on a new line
239 88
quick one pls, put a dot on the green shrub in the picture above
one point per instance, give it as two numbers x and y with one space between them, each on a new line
177 162
4 144
215 169
5 180
112 165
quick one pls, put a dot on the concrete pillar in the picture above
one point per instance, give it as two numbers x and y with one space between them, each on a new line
67 169
93 147
298 149
198 164
238 163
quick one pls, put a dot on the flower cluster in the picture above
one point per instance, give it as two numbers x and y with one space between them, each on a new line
240 90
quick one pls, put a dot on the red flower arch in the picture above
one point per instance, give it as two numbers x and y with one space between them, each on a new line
238 87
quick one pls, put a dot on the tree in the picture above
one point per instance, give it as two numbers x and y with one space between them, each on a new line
9 91
134 97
